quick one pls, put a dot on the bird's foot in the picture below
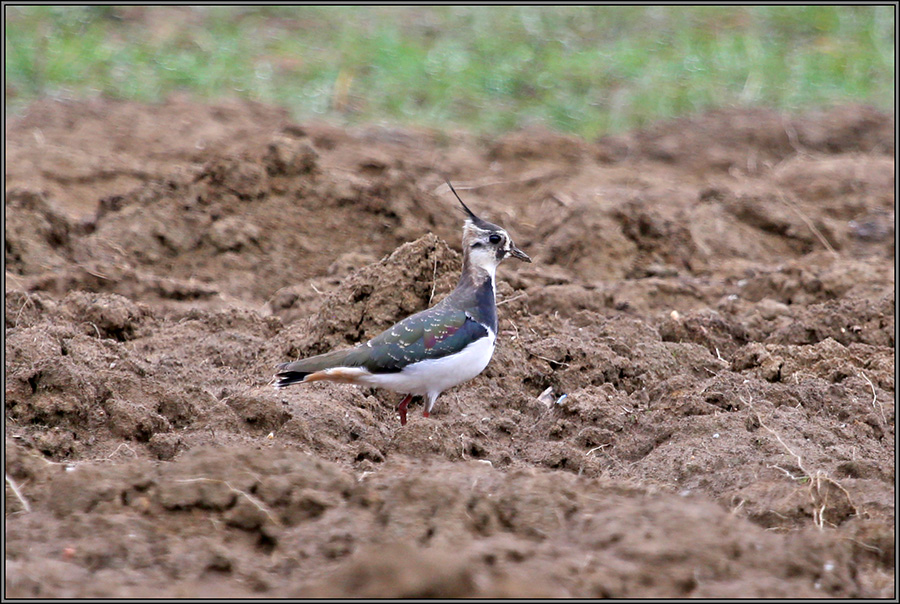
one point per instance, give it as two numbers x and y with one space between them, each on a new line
425 413
402 407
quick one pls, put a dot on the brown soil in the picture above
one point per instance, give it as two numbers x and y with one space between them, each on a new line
714 296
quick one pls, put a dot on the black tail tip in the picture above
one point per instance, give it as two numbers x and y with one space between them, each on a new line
286 378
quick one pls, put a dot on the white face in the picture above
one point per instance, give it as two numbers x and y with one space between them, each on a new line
488 248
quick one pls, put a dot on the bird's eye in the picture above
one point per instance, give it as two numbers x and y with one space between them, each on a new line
494 238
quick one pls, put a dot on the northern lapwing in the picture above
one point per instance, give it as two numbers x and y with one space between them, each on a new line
432 350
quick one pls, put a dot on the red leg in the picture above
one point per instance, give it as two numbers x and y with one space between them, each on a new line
429 403
402 408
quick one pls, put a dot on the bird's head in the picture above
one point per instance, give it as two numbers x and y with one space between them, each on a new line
485 244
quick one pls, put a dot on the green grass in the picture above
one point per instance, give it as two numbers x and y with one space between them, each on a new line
585 70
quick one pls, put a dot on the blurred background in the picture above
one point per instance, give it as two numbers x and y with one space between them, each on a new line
583 70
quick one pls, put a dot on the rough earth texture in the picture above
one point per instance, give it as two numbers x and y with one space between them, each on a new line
692 395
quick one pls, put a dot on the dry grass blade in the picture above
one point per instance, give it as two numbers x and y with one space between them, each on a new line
821 486
808 222
551 361
253 500
18 493
502 302
531 178
875 402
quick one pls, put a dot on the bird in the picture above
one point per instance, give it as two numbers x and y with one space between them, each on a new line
432 350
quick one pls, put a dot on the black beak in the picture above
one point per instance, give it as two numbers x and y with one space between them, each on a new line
517 253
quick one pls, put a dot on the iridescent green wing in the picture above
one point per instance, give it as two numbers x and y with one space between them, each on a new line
430 334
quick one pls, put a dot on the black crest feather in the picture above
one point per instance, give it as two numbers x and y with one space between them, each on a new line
475 219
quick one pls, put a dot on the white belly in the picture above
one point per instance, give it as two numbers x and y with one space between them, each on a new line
436 375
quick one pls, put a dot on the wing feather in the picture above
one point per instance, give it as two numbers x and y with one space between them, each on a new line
430 334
